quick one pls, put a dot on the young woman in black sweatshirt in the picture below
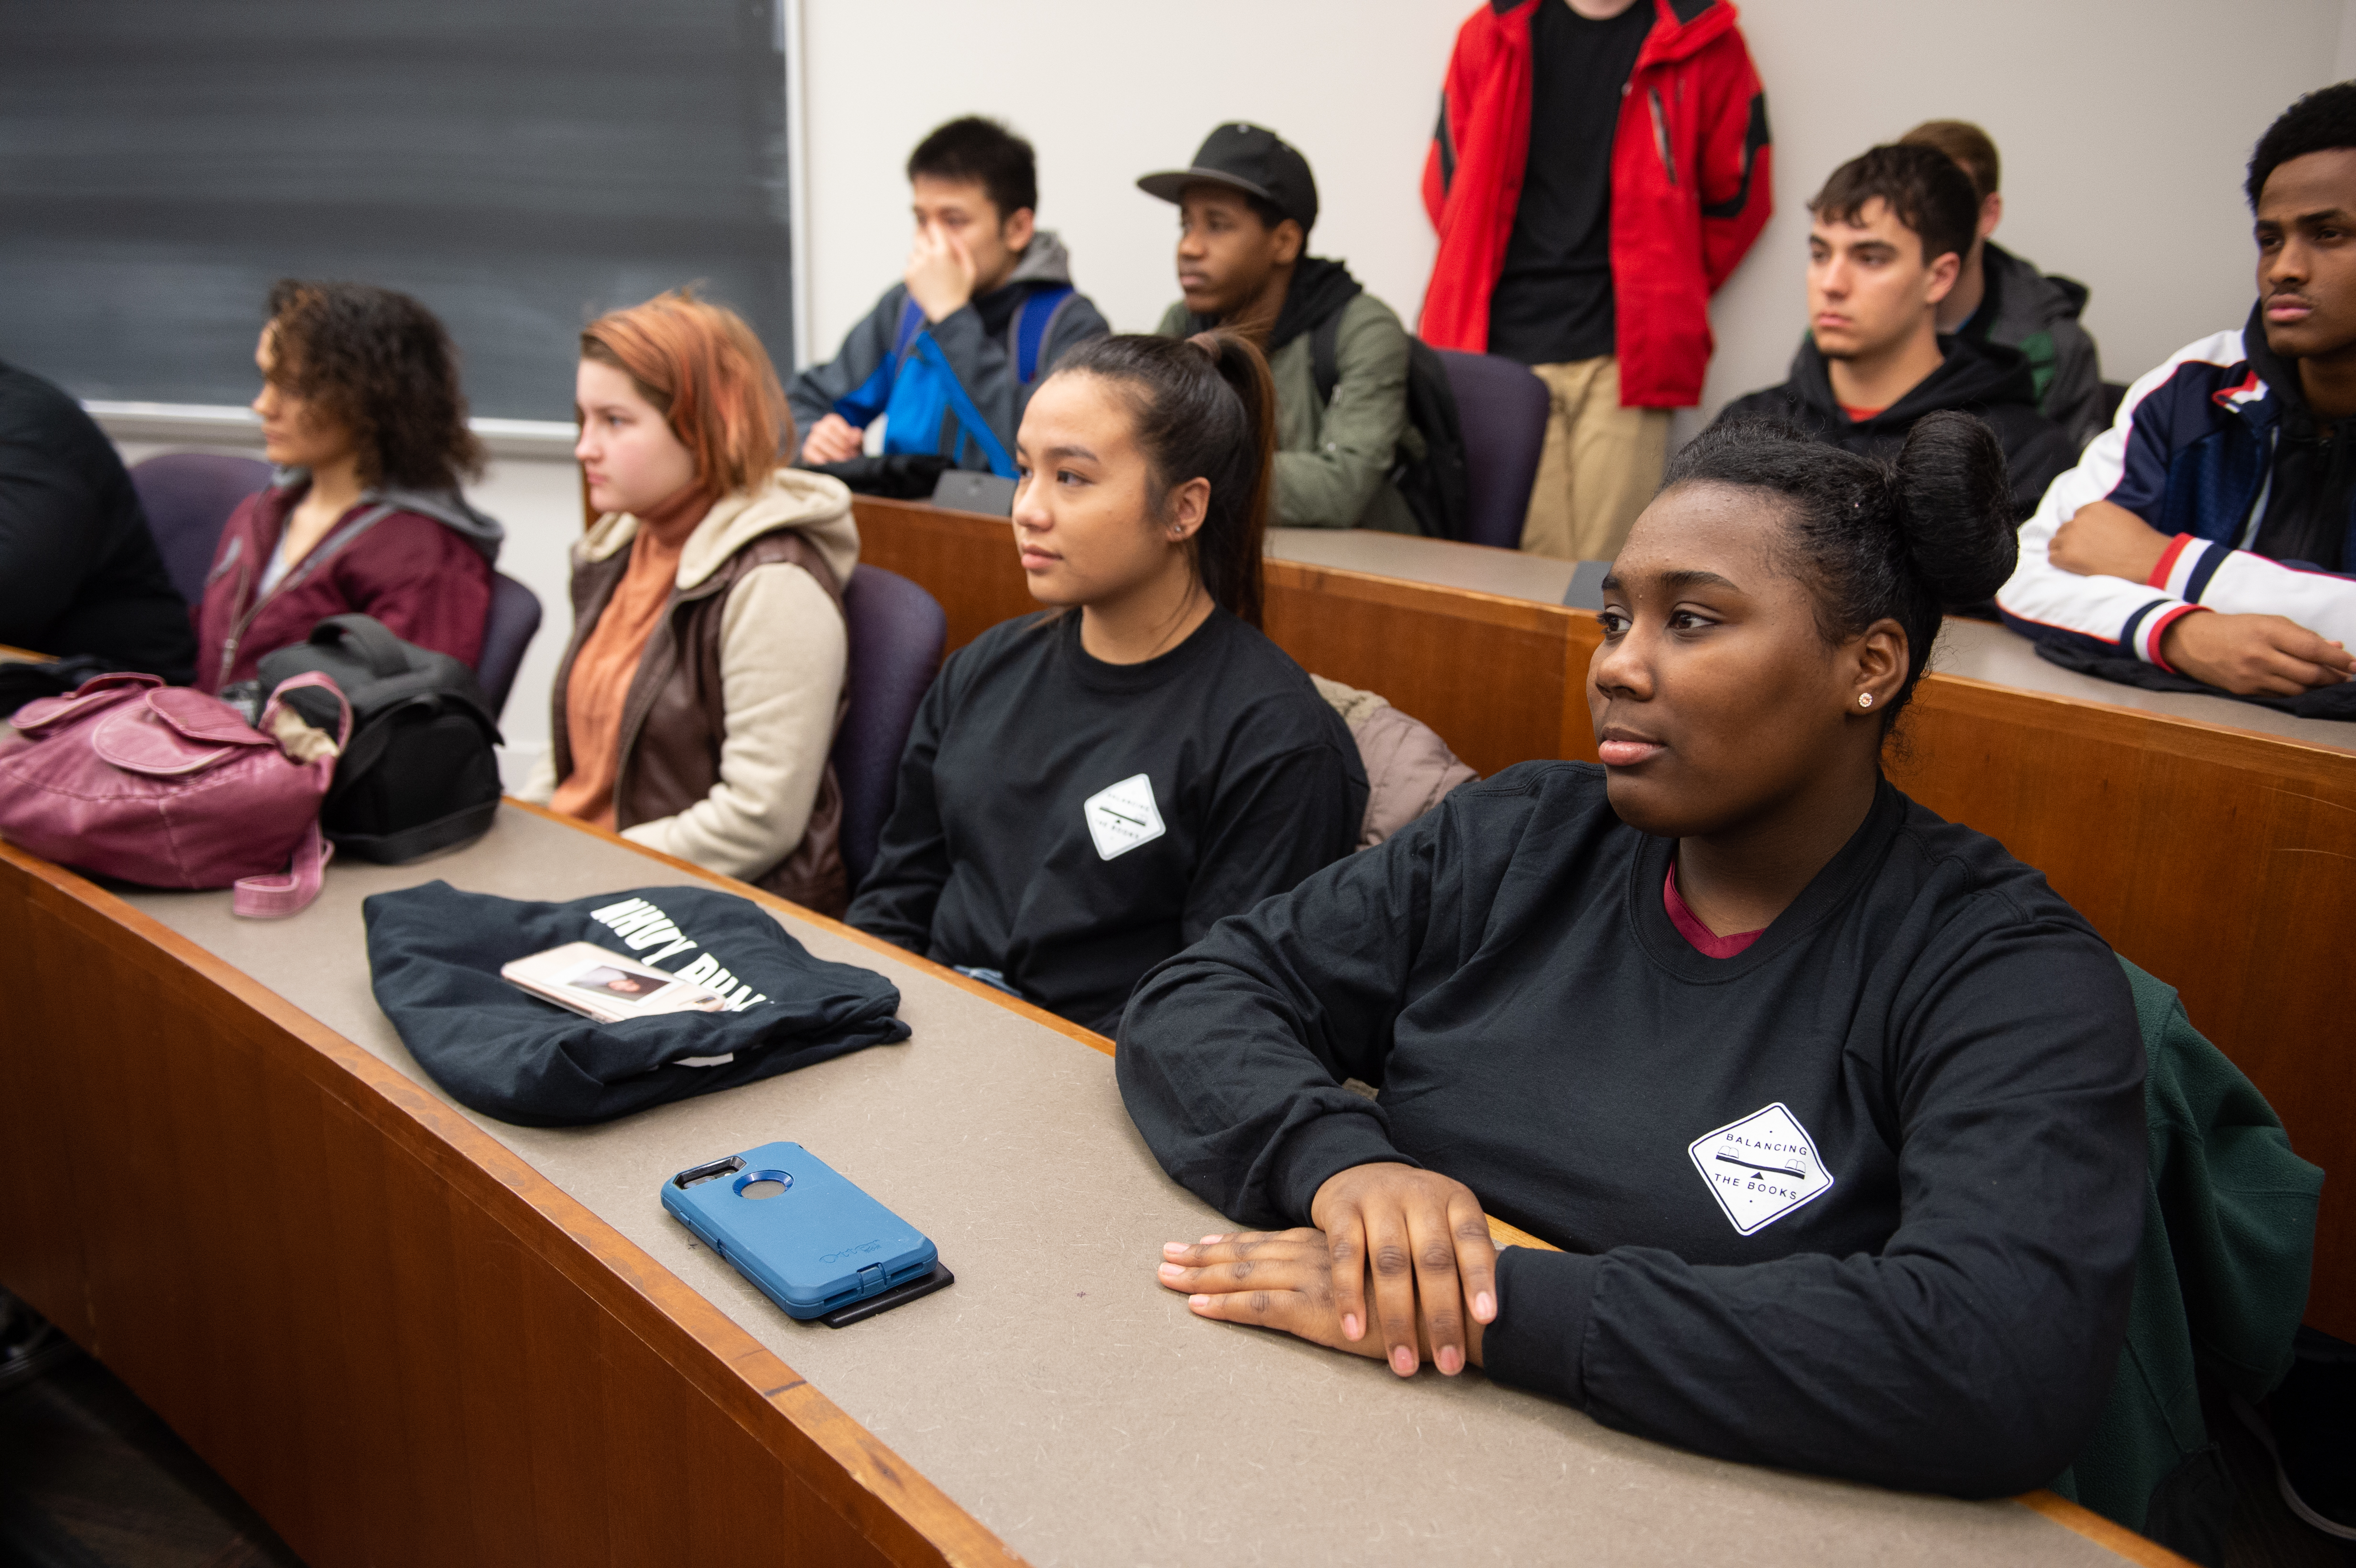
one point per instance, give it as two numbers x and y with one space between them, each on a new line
1087 789
1835 1108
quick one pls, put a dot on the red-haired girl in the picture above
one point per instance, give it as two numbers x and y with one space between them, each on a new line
701 692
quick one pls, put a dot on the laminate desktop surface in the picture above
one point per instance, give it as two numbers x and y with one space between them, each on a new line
1980 650
1057 1393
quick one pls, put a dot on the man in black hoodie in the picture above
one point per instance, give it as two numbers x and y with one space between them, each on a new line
1888 242
1246 206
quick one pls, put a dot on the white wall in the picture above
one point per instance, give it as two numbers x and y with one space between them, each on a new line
1106 93
2124 124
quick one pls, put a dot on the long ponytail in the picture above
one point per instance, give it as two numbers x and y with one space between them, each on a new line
1205 407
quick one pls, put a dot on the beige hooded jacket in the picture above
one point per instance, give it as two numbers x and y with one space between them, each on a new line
783 654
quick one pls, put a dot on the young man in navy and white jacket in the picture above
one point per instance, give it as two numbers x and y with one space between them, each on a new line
2211 530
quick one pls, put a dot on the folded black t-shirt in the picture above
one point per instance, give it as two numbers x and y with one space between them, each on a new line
434 955
1070 823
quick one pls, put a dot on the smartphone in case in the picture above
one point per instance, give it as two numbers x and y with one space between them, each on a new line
806 1237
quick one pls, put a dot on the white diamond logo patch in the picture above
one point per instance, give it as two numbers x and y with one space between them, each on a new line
1122 815
1761 1167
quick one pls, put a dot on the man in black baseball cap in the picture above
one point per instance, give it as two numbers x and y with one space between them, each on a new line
1253 160
1245 204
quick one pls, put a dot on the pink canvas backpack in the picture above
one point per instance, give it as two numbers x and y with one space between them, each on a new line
166 787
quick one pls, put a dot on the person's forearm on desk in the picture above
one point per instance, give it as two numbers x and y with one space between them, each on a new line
1400 1268
2249 645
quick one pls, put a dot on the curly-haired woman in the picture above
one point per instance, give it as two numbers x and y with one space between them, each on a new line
700 695
361 413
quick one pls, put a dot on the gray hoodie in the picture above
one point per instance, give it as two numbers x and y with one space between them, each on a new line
449 509
974 339
2024 309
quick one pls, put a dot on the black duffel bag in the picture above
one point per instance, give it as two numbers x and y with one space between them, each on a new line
892 476
418 773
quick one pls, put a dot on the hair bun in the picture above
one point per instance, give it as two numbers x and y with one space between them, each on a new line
1955 507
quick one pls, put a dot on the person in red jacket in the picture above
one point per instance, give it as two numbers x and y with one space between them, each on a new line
1599 168
362 413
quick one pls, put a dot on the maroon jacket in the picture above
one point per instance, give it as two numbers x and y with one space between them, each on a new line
421 565
1690 186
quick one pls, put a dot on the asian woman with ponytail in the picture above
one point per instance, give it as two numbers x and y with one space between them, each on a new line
1087 789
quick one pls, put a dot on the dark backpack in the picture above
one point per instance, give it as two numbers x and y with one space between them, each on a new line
1429 468
418 773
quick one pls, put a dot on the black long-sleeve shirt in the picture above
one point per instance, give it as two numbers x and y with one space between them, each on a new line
79 572
1864 1199
1071 823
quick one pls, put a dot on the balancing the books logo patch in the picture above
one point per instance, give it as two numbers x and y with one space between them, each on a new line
1122 815
1761 1167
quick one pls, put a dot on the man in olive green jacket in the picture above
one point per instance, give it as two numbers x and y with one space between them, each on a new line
1246 206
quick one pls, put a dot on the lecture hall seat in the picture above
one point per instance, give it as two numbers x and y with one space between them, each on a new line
897 632
188 496
507 629
1502 409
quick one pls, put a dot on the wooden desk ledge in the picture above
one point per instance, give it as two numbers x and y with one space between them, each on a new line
422 1166
2085 1521
881 1509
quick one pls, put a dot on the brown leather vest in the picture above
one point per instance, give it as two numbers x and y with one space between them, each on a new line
674 718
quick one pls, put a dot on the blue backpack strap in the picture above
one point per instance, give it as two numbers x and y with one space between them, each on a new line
961 404
911 318
1031 327
863 403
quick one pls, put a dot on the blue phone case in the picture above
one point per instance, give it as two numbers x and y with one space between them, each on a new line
809 1239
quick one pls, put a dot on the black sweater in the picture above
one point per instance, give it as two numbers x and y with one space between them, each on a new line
78 570
1071 823
1991 380
1863 1199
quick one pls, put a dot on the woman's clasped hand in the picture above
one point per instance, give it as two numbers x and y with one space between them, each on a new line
1419 1238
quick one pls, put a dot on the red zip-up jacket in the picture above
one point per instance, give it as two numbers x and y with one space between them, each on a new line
421 565
1690 186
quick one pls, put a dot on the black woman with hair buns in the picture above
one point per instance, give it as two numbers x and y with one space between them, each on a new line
1833 1109
1086 790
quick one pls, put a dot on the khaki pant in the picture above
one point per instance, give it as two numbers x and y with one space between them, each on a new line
1601 466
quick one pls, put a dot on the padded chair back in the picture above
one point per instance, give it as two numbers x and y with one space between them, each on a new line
897 632
1502 408
508 631
187 496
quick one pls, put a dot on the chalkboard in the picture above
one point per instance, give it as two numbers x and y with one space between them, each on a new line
518 165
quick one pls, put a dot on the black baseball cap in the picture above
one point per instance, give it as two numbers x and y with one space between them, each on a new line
1250 158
